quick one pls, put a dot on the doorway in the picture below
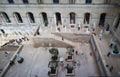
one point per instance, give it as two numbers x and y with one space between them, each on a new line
45 19
58 18
102 19
72 18
86 18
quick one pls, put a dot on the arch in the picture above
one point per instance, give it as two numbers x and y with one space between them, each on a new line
88 1
25 1
72 1
87 18
56 1
18 17
40 1
45 18
102 19
58 18
10 1
107 1
30 17
72 18
5 17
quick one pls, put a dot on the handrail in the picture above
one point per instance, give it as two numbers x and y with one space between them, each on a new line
36 31
106 72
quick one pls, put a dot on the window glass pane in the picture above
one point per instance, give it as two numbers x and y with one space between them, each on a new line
11 1
25 1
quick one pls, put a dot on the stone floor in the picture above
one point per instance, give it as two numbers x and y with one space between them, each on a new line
36 62
112 60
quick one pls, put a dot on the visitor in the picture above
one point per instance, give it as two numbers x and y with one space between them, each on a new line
62 38
49 73
90 53
112 42
38 33
111 68
108 54
12 62
107 27
76 52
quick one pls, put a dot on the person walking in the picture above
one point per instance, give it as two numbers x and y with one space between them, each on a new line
112 42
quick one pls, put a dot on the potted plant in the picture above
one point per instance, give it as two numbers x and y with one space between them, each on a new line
54 52
115 51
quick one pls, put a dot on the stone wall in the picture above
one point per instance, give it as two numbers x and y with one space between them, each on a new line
64 8
61 1
51 1
79 10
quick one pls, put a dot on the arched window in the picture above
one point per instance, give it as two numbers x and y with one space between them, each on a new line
31 17
5 17
72 1
107 1
25 1
72 18
56 1
11 1
45 19
102 19
58 18
88 1
40 1
18 17
86 18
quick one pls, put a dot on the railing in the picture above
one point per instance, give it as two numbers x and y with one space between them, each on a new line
60 4
65 40
100 61
36 31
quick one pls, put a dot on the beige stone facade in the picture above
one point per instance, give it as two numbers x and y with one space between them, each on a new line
79 7
50 14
